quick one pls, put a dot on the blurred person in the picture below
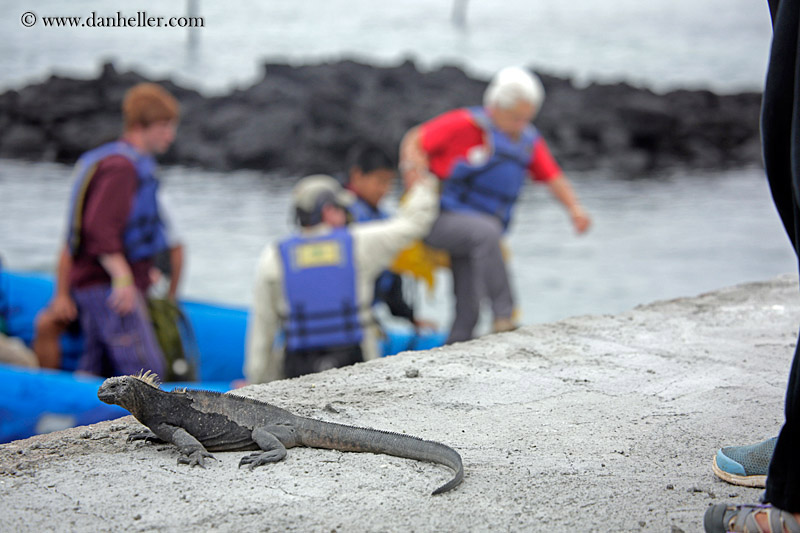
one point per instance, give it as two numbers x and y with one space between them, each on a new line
370 176
61 314
317 286
115 232
482 155
780 135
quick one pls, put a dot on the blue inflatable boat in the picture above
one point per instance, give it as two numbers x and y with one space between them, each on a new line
38 400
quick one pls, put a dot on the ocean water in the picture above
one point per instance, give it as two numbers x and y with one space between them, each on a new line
673 235
676 235
718 44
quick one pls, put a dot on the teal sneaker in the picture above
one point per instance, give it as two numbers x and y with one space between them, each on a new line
745 465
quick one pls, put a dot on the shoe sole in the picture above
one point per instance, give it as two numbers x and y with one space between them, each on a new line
756 482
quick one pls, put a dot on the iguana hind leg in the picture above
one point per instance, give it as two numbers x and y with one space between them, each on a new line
272 450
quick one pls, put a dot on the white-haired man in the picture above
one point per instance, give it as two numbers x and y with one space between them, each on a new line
317 286
482 156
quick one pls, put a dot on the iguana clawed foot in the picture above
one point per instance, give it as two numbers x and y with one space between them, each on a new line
261 458
145 435
195 458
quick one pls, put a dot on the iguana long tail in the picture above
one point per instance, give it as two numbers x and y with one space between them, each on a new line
319 434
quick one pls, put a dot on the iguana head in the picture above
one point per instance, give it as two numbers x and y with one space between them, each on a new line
124 390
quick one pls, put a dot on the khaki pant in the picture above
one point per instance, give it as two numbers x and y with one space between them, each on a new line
13 351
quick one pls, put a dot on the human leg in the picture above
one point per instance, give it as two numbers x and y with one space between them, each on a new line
780 124
91 307
126 343
467 294
781 135
783 480
46 338
473 242
132 343
487 254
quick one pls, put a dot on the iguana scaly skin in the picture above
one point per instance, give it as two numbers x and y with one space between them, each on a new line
199 422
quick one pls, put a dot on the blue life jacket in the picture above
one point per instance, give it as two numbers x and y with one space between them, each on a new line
493 186
320 286
361 211
144 234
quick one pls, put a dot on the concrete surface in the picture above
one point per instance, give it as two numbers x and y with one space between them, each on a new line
595 423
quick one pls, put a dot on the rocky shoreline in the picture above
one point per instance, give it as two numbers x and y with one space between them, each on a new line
302 119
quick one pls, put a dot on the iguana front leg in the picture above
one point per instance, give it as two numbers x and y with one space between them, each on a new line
272 450
145 435
192 450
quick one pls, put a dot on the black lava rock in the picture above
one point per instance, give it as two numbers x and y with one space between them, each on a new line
301 119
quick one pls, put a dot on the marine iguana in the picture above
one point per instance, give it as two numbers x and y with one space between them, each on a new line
199 422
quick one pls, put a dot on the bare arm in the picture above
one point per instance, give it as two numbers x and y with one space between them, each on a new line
176 267
123 291
413 159
564 193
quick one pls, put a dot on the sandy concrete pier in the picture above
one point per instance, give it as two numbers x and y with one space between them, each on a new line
594 423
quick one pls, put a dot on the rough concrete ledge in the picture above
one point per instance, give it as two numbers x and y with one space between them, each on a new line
595 423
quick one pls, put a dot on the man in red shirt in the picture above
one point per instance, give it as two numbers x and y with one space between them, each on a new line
482 156
115 232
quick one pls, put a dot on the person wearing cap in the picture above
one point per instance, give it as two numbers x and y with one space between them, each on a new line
316 287
482 155
114 234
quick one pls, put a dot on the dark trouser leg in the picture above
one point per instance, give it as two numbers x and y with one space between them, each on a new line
305 362
783 481
126 342
473 242
780 122
467 293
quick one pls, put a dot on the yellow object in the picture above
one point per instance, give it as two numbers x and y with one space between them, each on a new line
421 261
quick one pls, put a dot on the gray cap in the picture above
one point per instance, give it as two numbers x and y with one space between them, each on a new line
312 192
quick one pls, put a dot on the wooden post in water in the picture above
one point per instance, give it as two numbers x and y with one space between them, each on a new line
459 13
192 12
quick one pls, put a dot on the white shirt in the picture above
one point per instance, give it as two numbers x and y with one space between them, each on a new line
375 245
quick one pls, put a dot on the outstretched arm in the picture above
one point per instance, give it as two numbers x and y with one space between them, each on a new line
561 188
413 159
380 241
